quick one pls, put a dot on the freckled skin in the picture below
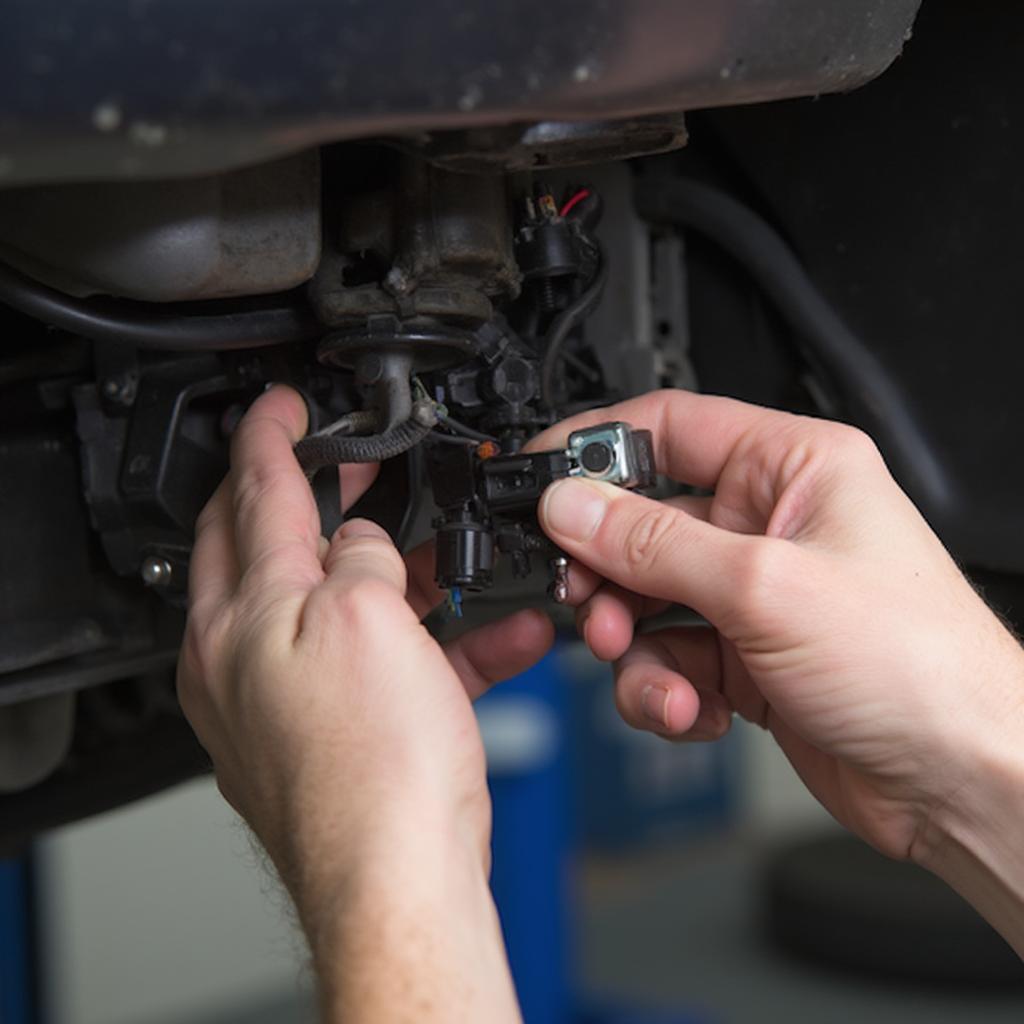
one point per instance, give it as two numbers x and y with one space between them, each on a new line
344 734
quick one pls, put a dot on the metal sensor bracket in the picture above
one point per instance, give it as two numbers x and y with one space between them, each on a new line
613 453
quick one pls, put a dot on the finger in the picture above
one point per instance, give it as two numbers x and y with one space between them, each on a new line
713 721
694 435
500 650
362 595
422 592
672 690
363 590
714 667
356 479
607 620
276 522
213 568
648 547
650 692
583 583
694 651
607 617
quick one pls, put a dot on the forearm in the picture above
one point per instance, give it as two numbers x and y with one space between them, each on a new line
976 842
409 933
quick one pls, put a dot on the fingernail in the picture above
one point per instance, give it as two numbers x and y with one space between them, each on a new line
352 528
573 509
654 700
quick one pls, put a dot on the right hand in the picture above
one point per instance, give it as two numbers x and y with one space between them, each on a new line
837 619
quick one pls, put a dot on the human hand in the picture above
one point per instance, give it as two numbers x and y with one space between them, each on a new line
338 727
837 619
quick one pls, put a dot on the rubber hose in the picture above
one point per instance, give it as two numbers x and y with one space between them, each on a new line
872 397
562 326
320 450
135 323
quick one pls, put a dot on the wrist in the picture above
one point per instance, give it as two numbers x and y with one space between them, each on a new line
974 838
326 853
409 913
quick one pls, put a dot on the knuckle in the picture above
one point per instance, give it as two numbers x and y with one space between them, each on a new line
361 604
649 538
371 593
202 657
192 672
192 664
851 442
185 689
273 572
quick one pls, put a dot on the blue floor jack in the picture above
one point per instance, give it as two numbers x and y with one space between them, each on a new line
525 727
16 988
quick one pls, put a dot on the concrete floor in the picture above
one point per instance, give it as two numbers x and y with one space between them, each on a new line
673 928
677 928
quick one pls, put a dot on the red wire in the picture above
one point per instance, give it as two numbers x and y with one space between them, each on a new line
583 193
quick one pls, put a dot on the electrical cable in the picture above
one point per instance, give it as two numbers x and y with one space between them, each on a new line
361 421
563 325
570 204
460 428
139 324
320 450
872 397
437 435
588 373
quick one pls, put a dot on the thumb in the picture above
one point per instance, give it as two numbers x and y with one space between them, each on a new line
361 550
645 546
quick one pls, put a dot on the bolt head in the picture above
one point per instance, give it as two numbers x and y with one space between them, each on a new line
121 390
156 572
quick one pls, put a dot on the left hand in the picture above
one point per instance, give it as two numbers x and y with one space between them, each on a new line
336 724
